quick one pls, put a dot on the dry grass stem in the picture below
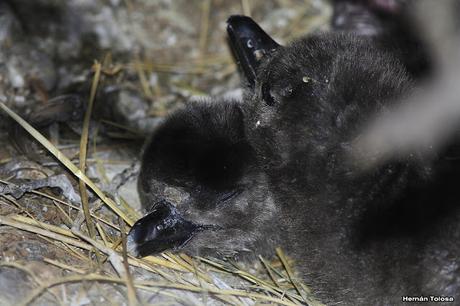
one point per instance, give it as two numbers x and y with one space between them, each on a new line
84 150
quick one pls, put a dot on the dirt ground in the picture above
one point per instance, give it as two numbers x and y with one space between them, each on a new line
142 59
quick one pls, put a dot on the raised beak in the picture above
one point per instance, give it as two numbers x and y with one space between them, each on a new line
249 44
162 229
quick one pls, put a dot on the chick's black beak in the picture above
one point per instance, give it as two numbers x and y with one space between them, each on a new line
249 44
163 228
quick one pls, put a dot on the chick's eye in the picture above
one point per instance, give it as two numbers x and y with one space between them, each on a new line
267 96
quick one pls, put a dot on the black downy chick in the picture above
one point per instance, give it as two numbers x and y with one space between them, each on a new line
199 179
226 178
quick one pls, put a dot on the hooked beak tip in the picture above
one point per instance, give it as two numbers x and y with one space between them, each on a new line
131 246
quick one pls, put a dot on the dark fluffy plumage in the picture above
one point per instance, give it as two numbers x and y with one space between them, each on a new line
273 170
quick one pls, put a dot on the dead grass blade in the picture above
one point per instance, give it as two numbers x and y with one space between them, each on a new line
84 151
306 298
66 162
149 285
